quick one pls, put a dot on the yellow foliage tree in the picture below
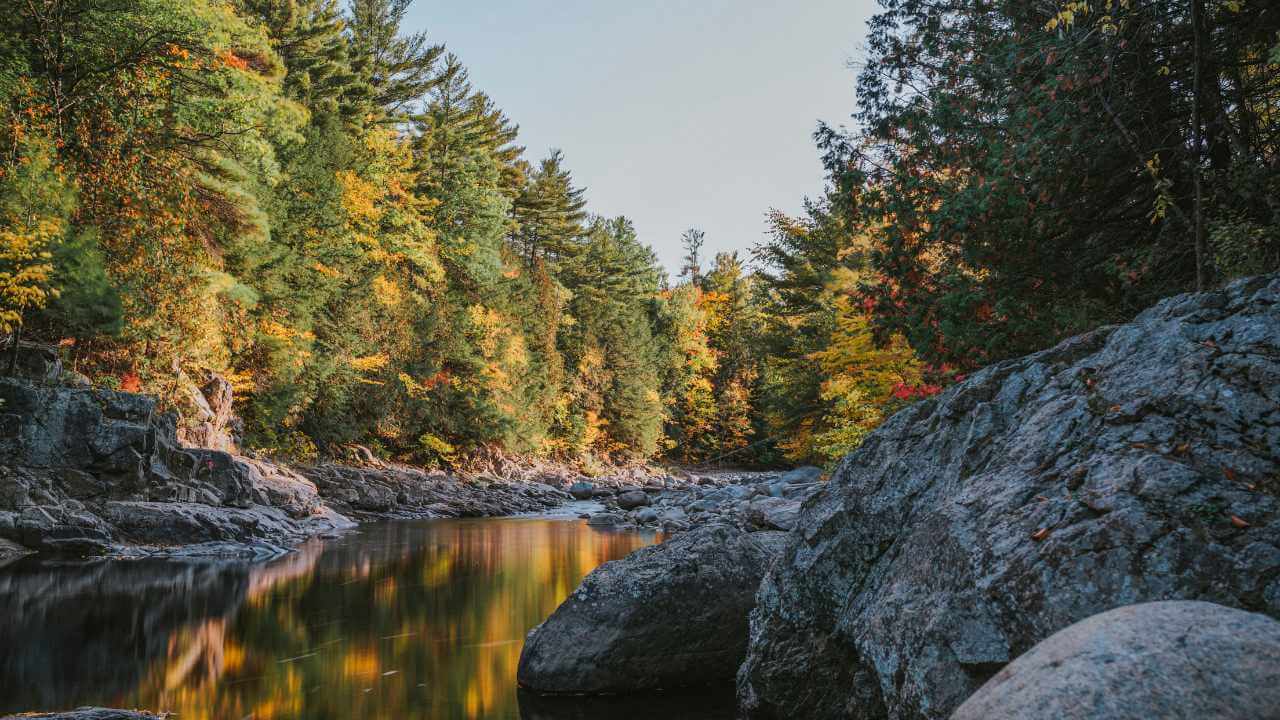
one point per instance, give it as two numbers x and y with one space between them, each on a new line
35 199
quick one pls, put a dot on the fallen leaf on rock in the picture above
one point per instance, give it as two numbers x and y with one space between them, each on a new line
1231 474
1040 534
1239 522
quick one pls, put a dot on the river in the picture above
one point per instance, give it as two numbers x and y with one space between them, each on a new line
393 620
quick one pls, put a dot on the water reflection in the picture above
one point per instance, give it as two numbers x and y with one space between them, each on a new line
406 620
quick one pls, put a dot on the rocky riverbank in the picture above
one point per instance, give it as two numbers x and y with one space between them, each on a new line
749 501
971 555
93 472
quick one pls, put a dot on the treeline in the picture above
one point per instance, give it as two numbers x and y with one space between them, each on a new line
318 204
1034 170
1017 173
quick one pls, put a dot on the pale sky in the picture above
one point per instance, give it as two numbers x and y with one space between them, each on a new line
675 114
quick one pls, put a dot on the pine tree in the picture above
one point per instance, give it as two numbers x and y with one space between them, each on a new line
308 36
616 404
549 213
827 380
692 240
400 68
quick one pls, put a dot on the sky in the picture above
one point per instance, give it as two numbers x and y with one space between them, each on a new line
676 114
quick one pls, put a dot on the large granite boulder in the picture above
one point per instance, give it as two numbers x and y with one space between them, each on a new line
99 431
1134 463
669 615
71 458
1174 660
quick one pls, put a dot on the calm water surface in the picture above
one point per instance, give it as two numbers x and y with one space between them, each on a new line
396 620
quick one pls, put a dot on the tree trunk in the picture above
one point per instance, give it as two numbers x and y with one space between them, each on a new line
13 351
1197 132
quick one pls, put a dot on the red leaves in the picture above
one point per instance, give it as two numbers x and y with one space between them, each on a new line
131 382
1239 522
902 391
1040 534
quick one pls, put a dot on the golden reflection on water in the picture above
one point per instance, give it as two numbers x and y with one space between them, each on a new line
420 620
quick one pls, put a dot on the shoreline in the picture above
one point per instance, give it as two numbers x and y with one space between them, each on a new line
101 473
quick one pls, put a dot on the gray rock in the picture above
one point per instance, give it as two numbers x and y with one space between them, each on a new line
39 363
646 515
207 413
1174 660
73 379
604 519
81 455
10 551
280 487
1130 464
703 505
802 475
632 499
89 472
773 513
674 514
799 492
666 616
175 524
731 493
582 490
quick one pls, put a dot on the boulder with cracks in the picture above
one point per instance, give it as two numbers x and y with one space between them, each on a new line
1134 463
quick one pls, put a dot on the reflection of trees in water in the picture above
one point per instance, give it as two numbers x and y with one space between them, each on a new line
78 632
401 620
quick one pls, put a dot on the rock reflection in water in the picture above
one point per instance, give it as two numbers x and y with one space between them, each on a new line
401 620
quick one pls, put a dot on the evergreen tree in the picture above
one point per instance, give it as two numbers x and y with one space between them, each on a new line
1033 171
549 213
826 380
308 36
616 405
692 240
400 68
